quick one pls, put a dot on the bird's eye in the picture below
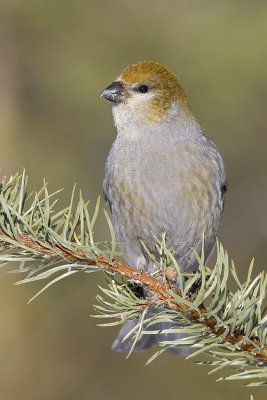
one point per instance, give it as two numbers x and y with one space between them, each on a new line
143 89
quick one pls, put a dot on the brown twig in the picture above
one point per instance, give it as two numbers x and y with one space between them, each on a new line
159 289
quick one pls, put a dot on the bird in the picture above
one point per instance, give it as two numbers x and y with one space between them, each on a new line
163 174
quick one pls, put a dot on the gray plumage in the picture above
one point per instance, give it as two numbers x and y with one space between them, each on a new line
161 175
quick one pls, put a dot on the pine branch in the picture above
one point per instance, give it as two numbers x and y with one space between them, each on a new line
230 327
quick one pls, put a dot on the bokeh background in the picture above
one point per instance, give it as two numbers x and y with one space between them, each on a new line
55 58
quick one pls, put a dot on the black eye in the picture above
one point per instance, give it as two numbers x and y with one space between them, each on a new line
143 89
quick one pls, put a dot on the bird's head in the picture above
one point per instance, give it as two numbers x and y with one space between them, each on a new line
146 93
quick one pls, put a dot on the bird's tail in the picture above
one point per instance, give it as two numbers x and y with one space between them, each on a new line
148 340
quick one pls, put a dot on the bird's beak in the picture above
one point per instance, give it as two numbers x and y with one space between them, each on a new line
114 92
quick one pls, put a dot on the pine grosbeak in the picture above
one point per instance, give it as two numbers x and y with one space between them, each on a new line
163 174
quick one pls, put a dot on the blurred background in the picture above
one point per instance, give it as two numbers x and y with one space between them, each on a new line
55 58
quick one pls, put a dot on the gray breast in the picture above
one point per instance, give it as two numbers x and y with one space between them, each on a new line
173 189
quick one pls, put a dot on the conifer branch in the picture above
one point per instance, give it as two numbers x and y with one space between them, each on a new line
229 327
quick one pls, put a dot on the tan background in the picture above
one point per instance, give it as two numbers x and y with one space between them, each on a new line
55 58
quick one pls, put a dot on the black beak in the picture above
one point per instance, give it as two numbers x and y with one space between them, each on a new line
114 92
